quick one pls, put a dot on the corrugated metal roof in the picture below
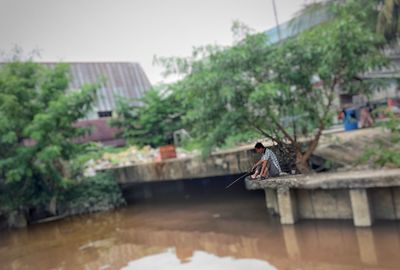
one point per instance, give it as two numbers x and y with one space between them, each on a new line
121 79
289 29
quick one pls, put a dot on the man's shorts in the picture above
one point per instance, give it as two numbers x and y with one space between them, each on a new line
272 170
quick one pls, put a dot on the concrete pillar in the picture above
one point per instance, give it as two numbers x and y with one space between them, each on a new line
366 244
361 208
287 206
271 201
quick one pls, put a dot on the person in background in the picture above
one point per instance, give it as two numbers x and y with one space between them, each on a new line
268 165
365 118
340 116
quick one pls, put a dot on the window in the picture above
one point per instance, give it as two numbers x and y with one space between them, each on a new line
104 114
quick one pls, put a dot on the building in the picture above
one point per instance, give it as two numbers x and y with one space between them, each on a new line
386 95
296 26
119 79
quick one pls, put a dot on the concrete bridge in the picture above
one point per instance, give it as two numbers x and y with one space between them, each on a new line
361 196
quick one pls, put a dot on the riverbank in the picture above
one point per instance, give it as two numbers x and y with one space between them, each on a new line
341 148
232 229
86 195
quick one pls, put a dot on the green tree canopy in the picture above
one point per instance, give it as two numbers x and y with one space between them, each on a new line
150 120
272 88
37 132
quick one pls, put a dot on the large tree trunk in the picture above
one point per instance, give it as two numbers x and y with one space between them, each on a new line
302 163
303 158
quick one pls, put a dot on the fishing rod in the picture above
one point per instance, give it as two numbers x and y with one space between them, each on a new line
241 177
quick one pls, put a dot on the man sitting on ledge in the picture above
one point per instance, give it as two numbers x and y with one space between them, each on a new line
268 165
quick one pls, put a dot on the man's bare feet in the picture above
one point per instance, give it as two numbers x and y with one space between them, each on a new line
256 177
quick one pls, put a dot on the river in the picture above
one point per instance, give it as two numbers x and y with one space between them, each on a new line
217 230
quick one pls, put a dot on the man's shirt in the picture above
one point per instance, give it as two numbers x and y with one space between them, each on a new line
271 157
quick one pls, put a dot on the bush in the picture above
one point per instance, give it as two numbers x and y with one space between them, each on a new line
92 194
386 152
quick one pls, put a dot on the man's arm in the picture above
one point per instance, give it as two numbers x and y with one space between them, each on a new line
255 165
264 169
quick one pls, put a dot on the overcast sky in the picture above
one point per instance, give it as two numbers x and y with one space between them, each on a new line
129 30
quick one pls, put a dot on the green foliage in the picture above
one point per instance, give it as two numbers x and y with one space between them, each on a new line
386 152
383 156
150 122
191 144
37 132
271 89
92 194
216 90
241 137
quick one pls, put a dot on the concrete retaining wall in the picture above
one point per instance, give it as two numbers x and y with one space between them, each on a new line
223 163
324 204
336 203
363 196
228 163
294 204
385 202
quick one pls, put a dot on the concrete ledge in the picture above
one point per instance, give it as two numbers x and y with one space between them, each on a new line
361 179
361 196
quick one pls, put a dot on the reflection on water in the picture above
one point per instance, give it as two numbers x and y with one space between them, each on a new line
199 261
225 231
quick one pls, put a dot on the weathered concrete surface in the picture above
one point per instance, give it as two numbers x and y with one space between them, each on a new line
360 204
323 204
361 196
287 206
385 202
357 179
224 163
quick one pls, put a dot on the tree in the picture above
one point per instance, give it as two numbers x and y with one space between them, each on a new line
271 89
37 133
151 121
335 55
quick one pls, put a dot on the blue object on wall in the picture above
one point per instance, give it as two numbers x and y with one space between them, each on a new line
350 119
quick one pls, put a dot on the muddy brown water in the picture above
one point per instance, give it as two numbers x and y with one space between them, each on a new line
205 232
